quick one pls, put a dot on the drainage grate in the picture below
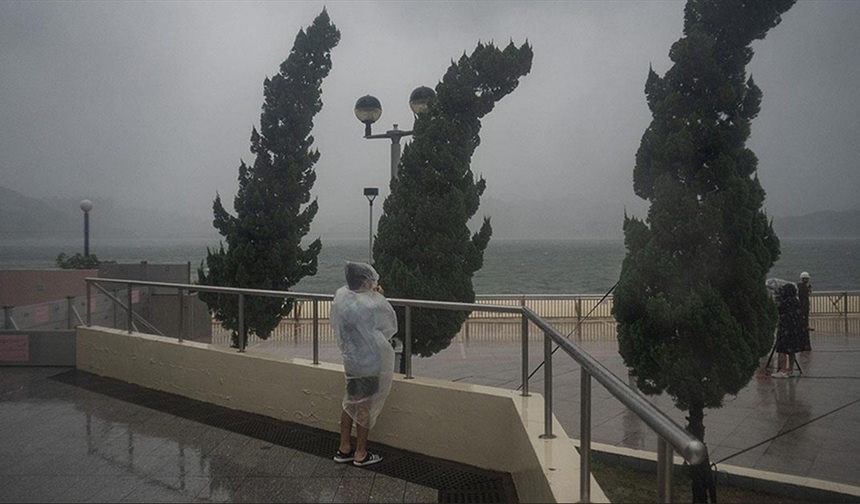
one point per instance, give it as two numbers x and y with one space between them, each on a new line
471 495
455 482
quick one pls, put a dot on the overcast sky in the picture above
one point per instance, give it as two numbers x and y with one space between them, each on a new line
152 103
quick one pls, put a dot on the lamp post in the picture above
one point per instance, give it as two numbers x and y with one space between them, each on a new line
368 110
370 193
86 206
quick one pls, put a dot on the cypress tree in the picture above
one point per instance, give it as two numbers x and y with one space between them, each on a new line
424 249
694 316
273 206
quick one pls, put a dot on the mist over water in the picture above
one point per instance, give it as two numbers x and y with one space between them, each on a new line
581 266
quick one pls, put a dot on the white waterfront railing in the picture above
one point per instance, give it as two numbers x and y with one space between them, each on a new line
587 317
598 306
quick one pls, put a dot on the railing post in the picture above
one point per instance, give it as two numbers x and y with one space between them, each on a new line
6 318
547 387
69 312
181 316
128 311
241 322
89 305
845 309
578 318
316 331
585 437
407 346
525 352
665 467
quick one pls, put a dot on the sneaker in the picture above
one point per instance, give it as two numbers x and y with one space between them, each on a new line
342 458
369 459
779 374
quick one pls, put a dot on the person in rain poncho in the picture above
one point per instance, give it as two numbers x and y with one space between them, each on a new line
363 321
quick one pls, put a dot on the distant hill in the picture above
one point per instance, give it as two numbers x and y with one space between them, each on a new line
580 217
512 218
22 215
826 224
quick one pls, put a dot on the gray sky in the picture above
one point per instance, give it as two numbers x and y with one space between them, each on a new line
152 104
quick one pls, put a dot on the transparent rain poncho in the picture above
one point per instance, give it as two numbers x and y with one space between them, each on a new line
364 321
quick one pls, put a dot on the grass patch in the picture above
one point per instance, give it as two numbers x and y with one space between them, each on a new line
623 484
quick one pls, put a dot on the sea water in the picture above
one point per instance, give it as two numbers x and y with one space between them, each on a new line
577 266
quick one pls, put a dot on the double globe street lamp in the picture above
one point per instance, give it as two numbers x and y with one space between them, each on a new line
368 110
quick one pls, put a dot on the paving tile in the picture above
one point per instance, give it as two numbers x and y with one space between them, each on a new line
167 490
318 489
833 471
387 489
331 469
219 490
353 490
113 488
82 488
264 489
302 465
415 493
789 447
39 488
783 464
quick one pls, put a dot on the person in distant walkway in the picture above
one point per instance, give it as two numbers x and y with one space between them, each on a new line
788 332
363 321
804 290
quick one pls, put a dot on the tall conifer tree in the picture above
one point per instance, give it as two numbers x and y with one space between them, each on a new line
273 206
694 316
424 249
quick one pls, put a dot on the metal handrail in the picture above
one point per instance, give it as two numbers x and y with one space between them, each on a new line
670 434
537 296
685 443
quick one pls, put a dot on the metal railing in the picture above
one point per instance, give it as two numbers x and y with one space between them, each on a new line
671 436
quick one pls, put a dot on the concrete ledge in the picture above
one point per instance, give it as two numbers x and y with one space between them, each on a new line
481 426
799 487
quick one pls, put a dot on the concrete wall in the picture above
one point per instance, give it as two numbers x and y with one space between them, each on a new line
481 426
168 273
37 348
28 287
196 320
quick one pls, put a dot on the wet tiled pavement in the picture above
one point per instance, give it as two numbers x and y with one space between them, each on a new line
69 436
807 426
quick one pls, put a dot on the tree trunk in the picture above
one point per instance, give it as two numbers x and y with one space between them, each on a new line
701 476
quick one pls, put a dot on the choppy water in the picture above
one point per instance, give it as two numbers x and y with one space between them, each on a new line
580 266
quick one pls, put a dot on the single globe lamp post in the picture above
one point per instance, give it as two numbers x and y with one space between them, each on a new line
370 193
86 206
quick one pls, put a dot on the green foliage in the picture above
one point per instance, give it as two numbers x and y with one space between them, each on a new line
692 309
273 207
77 261
424 249
694 316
